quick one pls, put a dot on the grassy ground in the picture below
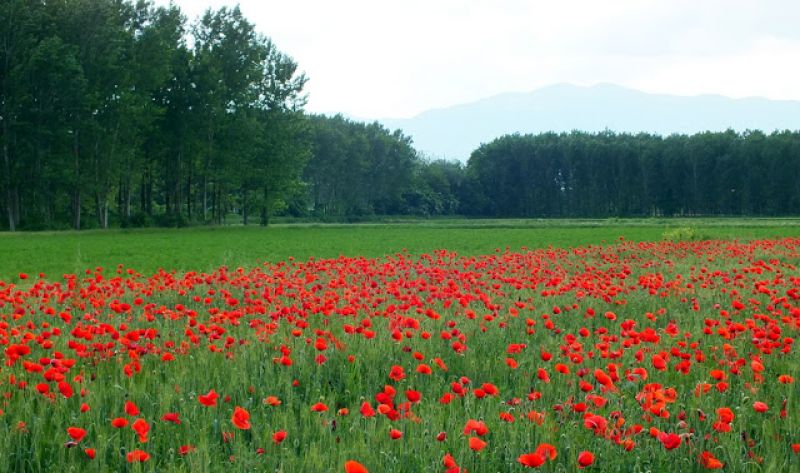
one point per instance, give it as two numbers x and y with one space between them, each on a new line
205 248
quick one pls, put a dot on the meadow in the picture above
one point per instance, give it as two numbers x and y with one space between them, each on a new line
451 346
206 248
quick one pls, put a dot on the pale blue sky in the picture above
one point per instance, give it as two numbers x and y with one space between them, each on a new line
379 59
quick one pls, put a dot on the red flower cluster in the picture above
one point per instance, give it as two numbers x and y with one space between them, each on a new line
457 353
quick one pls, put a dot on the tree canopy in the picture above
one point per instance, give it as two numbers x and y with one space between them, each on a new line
608 175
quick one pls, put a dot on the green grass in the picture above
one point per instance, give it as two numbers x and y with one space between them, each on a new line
206 248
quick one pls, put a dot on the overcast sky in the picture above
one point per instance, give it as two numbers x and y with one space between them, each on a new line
381 59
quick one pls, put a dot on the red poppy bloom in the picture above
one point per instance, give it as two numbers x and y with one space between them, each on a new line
367 410
670 441
137 456
547 451
119 422
272 401
184 450
131 409
707 460
413 396
209 399
397 373
142 428
476 444
319 407
171 417
352 466
531 460
76 433
585 458
241 418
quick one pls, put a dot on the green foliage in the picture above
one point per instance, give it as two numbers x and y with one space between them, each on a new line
683 234
107 115
607 174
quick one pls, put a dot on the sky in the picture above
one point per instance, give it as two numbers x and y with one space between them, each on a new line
374 59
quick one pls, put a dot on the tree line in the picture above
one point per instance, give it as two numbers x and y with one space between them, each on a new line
114 113
607 174
128 113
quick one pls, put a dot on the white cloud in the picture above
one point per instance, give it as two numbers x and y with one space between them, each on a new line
391 59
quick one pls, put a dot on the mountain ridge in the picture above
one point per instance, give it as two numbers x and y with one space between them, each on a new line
454 132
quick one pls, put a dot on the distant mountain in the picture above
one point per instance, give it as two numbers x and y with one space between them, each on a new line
454 132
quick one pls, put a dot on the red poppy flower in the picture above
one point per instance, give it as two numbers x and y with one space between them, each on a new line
547 451
531 460
585 458
209 399
670 441
272 401
131 409
707 460
476 444
76 433
119 422
319 407
397 373
367 410
171 417
141 427
352 466
137 456
413 396
241 418
184 450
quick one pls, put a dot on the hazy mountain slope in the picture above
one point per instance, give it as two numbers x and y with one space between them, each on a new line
456 131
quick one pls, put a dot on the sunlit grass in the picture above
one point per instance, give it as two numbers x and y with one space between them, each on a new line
205 248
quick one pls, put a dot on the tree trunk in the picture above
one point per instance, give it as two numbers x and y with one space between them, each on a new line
76 208
265 209
149 192
10 206
98 208
178 197
205 198
189 194
12 219
76 192
218 205
244 206
128 197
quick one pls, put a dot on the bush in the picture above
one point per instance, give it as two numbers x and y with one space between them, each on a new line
683 234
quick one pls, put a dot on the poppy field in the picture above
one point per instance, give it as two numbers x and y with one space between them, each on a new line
624 356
